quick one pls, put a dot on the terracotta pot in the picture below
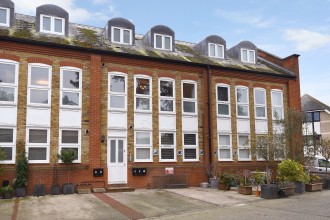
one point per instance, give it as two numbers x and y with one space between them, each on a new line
257 193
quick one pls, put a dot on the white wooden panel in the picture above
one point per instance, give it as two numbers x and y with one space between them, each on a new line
70 118
317 127
142 121
224 125
8 115
261 127
167 122
38 116
189 123
117 133
243 125
117 120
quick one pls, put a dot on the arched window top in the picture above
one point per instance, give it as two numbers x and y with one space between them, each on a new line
245 51
160 37
212 46
120 30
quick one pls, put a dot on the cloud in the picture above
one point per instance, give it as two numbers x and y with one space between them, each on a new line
248 18
99 1
306 40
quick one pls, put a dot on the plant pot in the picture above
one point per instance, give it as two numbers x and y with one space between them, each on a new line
39 190
258 193
204 184
299 187
214 183
20 192
314 187
288 191
7 195
326 183
68 188
269 191
245 190
55 189
223 186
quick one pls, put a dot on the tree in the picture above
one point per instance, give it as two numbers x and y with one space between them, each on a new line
2 157
323 148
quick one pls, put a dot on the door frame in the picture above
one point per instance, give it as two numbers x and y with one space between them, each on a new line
124 158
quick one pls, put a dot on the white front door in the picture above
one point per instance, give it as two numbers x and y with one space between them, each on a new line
117 165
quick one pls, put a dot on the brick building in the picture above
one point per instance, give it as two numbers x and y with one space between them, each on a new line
123 100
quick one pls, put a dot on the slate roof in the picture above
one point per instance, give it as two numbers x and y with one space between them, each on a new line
93 37
309 103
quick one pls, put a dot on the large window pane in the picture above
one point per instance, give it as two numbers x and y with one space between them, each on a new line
190 154
189 107
223 94
116 35
46 23
39 96
142 86
7 94
224 140
212 50
189 139
251 56
167 43
261 112
278 113
70 137
220 51
158 41
166 88
70 98
39 76
58 25
166 105
167 153
7 73
242 95
37 153
244 153
37 136
167 139
70 79
242 110
127 37
142 103
120 151
188 90
243 140
117 84
143 138
117 101
143 153
224 153
3 16
113 149
8 151
277 98
6 135
260 97
244 55
223 109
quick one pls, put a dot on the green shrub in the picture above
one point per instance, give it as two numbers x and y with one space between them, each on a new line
291 171
21 171
67 155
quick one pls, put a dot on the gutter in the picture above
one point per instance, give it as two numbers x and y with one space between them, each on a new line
209 113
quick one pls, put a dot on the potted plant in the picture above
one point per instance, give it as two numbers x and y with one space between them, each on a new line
314 183
226 180
211 170
7 192
67 156
258 179
20 182
245 186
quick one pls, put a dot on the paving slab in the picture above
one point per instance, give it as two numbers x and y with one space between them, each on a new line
6 208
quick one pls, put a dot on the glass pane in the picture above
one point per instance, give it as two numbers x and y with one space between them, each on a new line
3 16
7 94
242 95
70 137
190 139
7 73
127 37
9 152
251 56
167 139
117 101
143 138
188 90
58 25
277 98
117 84
223 94
142 86
75 150
142 103
167 153
189 107
244 153
260 112
316 116
167 43
224 140
70 79
120 151
190 154
224 153
116 35
166 88
309 116
212 50
243 140
260 97
220 51
242 110
158 41
39 96
37 153
278 113
37 136
223 109
39 76
70 98
46 23
143 153
6 135
244 55
113 151
166 105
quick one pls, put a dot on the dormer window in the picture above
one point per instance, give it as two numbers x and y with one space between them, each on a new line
216 50
4 17
52 25
163 42
121 35
248 56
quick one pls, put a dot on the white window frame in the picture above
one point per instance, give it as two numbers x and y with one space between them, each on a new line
216 50
52 24
223 102
248 51
40 88
277 106
256 105
243 147
143 146
164 146
225 147
143 95
189 99
38 145
121 35
110 93
163 42
169 98
79 90
7 24
10 85
72 145
11 145
194 147
242 103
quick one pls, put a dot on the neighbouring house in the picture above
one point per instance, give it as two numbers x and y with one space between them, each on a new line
131 105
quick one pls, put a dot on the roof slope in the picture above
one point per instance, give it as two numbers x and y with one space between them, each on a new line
309 103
